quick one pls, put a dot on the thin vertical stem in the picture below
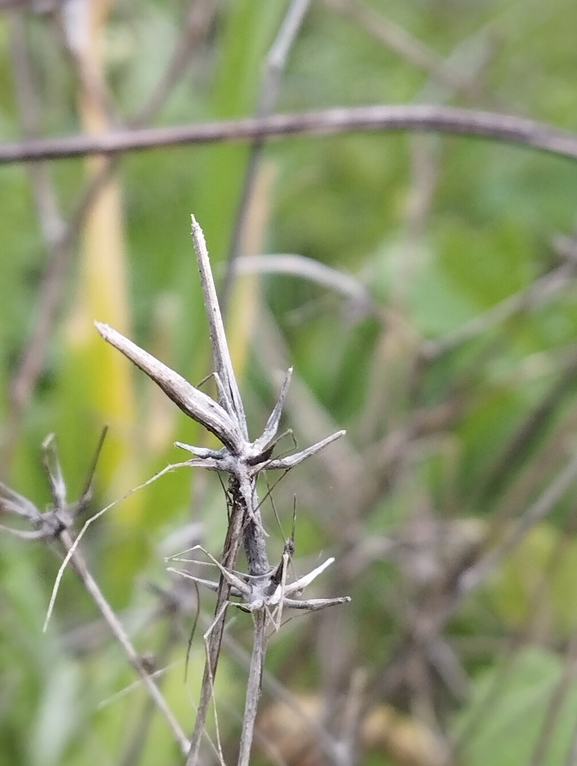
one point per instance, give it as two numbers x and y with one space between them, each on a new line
254 685
229 556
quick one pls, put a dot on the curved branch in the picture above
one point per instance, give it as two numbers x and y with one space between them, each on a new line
502 127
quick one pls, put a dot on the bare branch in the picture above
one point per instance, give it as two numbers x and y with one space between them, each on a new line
423 117
266 439
291 460
88 523
243 460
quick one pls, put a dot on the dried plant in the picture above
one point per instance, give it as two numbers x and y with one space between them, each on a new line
394 689
264 590
55 524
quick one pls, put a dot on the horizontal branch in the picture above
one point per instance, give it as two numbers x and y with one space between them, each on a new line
493 125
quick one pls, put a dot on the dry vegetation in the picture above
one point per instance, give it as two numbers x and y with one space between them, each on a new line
418 277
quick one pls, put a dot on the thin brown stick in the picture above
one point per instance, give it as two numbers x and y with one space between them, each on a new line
281 693
444 119
121 636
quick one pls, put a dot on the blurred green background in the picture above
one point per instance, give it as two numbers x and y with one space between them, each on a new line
449 355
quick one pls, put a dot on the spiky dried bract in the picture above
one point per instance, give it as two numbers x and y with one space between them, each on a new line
60 516
191 401
55 523
229 393
264 590
269 592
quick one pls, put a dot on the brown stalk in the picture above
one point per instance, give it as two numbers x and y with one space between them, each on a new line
438 119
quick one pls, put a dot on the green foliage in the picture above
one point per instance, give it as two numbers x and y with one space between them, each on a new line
509 726
438 230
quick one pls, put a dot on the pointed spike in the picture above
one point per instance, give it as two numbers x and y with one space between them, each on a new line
24 534
315 604
307 579
191 401
231 578
53 469
221 354
270 430
201 452
18 504
86 495
213 586
223 396
291 460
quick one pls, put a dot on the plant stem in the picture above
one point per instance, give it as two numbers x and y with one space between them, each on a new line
121 636
253 687
422 117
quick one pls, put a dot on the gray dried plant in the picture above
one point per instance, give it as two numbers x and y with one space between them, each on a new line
263 590
55 525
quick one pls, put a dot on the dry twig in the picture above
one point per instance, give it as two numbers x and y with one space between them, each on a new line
55 524
423 117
